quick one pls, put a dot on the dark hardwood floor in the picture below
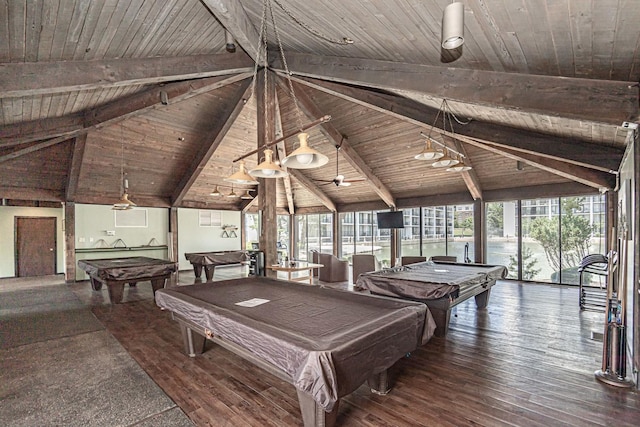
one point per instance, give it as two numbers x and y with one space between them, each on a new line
527 360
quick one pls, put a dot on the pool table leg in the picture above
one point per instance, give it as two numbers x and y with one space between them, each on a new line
379 383
441 317
116 291
197 270
193 343
96 285
314 415
208 271
158 284
482 300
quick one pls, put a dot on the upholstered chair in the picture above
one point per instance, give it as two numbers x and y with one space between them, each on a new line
405 260
363 263
334 270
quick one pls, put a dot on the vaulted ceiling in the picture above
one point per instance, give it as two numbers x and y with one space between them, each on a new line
546 93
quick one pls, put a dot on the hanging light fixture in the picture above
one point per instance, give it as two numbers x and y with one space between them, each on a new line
442 156
268 169
233 194
247 195
461 166
445 161
241 177
453 26
124 203
429 152
305 157
215 192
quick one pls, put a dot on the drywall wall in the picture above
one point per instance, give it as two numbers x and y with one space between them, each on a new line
7 235
192 237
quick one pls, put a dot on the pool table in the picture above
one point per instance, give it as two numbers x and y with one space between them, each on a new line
115 272
440 285
209 261
323 341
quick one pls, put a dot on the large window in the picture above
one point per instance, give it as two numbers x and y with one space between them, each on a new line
460 239
544 240
313 232
502 235
361 235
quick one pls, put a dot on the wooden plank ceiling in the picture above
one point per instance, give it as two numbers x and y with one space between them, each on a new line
545 92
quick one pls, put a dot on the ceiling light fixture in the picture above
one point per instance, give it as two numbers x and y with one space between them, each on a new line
247 195
216 192
124 203
441 156
453 26
241 177
305 157
233 194
268 168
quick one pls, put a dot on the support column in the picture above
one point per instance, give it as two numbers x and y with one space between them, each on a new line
70 242
479 231
267 196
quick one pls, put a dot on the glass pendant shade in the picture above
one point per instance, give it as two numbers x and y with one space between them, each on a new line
305 157
216 192
124 203
246 196
453 26
445 161
267 169
241 176
429 153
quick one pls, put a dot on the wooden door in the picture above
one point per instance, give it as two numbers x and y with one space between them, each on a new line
35 246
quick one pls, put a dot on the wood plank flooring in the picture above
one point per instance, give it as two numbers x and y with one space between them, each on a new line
528 360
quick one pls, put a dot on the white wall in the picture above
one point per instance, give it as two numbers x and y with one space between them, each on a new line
7 235
93 222
193 238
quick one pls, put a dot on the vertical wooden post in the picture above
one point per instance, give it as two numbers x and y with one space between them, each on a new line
337 238
173 229
70 242
479 231
265 97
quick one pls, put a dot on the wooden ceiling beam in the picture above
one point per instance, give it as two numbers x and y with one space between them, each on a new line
38 130
312 188
601 101
235 20
567 150
336 138
23 193
211 141
75 164
592 178
126 108
38 78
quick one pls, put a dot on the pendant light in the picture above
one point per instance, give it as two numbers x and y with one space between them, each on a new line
305 157
247 195
241 177
233 194
461 166
216 192
445 161
268 169
429 153
124 203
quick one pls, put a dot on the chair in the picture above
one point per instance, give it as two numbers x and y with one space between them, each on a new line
314 258
406 260
334 270
445 258
363 263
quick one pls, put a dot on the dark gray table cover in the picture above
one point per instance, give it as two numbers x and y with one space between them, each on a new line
129 268
328 341
428 280
217 258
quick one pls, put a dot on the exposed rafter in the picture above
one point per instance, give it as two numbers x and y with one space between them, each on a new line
562 149
313 189
601 101
235 20
75 164
38 78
